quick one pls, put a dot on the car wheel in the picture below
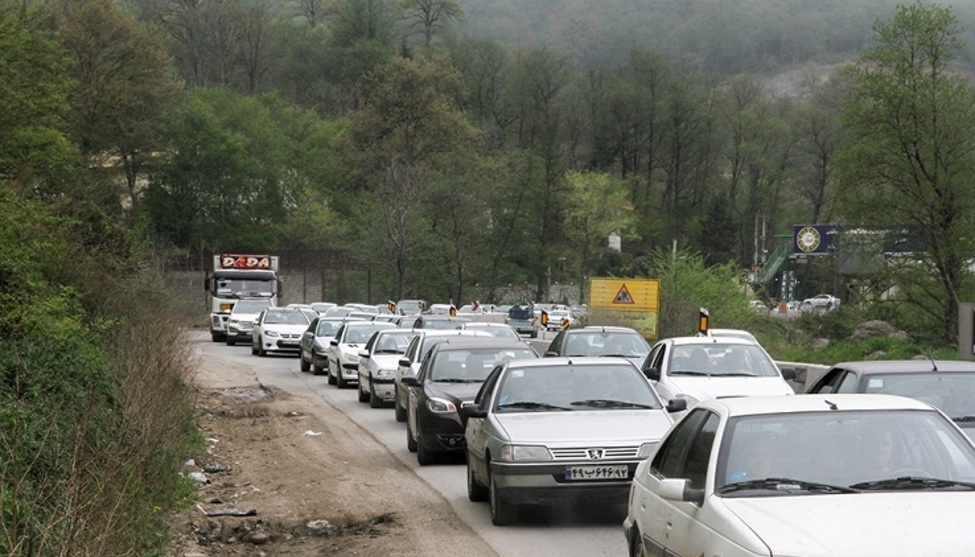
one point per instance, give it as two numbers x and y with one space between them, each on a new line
341 382
253 349
231 342
635 547
410 441
260 348
399 411
317 369
374 401
304 365
331 378
476 491
363 395
424 455
502 512
217 337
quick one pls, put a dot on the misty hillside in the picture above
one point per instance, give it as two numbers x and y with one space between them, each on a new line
714 36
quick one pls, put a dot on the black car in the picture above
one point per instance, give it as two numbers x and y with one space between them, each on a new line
450 376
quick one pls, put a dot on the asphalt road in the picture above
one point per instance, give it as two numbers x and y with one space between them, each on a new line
565 531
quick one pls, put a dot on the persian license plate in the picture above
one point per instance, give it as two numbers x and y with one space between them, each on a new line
611 472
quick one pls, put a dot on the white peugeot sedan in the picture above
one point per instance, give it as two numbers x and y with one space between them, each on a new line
377 365
278 330
556 431
343 352
702 368
806 476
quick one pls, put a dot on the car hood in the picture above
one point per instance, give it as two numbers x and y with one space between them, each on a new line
455 391
876 524
585 427
707 388
244 316
386 361
285 328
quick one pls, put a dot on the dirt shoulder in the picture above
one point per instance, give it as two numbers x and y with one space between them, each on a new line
308 481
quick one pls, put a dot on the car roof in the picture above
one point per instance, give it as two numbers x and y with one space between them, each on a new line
576 361
469 342
370 323
786 404
451 332
607 328
705 340
907 366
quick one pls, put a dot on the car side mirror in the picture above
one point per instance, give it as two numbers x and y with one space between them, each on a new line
471 410
677 405
333 342
411 381
404 362
652 373
789 373
551 353
679 489
364 354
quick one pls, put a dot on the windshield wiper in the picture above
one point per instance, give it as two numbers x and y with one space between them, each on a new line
964 419
689 372
734 374
530 406
457 380
388 351
787 485
610 403
911 482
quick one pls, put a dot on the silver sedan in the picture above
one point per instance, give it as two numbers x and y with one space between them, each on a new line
559 430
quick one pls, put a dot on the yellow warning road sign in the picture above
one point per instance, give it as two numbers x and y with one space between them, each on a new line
624 294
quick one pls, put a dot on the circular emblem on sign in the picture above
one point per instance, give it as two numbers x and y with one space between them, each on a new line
808 239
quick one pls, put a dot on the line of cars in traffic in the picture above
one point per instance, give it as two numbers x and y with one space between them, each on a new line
676 432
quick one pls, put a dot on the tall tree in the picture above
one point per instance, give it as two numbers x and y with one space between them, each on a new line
427 18
909 157
125 88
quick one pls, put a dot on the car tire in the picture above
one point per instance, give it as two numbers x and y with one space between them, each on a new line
374 401
635 547
304 365
476 491
341 382
317 369
331 378
253 349
217 337
424 455
410 441
399 411
260 348
230 341
363 395
502 512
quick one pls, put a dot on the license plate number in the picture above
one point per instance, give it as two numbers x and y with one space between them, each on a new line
613 472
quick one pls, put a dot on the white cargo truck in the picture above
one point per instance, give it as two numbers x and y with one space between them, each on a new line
238 276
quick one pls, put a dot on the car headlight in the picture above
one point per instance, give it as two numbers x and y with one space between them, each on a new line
441 406
234 321
271 334
525 453
350 357
386 374
646 449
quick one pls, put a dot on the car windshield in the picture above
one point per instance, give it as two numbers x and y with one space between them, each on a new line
473 365
521 312
566 387
951 392
440 324
362 334
294 317
251 306
606 343
860 450
717 359
392 343
500 332
328 328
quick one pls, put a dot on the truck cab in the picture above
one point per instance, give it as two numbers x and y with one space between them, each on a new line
235 277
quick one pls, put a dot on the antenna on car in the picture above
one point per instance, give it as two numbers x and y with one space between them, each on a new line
832 405
934 366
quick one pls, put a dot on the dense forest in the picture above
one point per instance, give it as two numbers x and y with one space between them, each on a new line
455 149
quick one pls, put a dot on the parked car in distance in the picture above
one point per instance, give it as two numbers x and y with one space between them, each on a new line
313 351
377 365
500 330
701 368
522 318
343 353
409 364
825 302
556 431
948 385
810 476
240 323
619 342
278 330
450 376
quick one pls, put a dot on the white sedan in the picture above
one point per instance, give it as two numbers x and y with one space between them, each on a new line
823 302
806 476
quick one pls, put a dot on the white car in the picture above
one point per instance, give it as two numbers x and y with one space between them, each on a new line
315 342
702 368
863 475
734 333
278 330
240 323
377 365
409 363
824 302
343 353
500 330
